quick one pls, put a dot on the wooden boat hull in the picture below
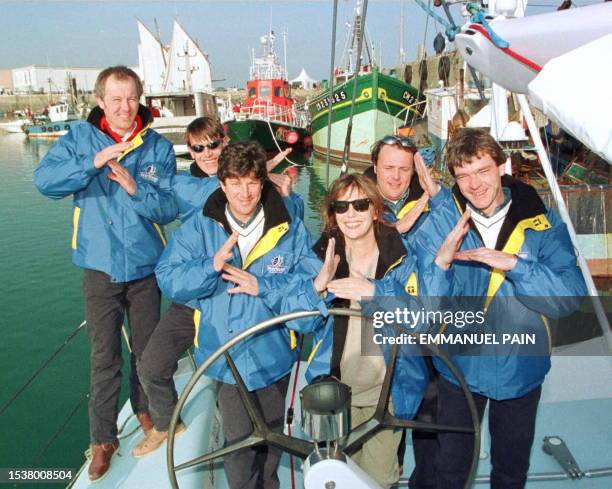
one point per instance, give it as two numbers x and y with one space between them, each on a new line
382 105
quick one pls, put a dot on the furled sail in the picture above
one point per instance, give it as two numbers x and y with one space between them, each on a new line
188 67
151 60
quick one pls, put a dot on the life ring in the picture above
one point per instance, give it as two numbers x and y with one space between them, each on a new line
43 129
56 128
67 127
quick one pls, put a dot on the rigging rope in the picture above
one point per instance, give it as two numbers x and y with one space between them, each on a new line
41 368
62 427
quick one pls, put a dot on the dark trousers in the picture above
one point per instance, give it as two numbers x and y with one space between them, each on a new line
511 425
106 304
173 335
252 468
425 444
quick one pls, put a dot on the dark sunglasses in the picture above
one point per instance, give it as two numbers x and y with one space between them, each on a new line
341 206
198 148
404 142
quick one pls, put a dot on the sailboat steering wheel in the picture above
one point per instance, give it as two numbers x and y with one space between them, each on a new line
263 434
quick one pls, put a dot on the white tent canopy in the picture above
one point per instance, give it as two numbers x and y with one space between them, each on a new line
304 80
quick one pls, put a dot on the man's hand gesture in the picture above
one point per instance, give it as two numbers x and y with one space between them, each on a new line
281 182
329 267
111 153
225 252
428 184
494 258
123 177
274 162
405 223
246 282
447 252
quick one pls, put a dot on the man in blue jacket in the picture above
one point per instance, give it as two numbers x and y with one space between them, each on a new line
234 261
119 173
393 160
175 332
497 240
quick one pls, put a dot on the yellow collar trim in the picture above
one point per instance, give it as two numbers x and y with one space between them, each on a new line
267 242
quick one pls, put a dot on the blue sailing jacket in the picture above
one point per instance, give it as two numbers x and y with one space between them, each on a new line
185 274
113 232
546 269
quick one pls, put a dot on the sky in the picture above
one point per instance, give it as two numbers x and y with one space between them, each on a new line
100 33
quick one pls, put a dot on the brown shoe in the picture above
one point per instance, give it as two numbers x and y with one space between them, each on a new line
153 440
101 456
145 421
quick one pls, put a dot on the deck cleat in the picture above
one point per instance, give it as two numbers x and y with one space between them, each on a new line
556 447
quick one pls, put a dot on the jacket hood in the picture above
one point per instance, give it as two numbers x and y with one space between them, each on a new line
95 116
526 203
274 208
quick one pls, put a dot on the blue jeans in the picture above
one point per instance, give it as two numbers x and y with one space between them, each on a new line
512 428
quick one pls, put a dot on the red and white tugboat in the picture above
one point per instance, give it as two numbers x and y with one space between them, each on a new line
269 115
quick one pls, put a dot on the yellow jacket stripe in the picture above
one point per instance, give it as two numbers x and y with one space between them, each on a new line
75 226
267 242
514 244
408 207
412 286
196 321
136 142
161 233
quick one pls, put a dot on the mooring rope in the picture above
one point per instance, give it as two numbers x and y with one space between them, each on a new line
41 368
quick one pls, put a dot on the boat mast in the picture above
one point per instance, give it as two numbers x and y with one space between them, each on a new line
402 53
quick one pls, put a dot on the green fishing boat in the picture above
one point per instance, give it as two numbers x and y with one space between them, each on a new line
383 104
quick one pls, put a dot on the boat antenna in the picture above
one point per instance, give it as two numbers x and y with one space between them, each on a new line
331 92
349 129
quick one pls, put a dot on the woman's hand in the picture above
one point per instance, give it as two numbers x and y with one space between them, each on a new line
352 288
329 267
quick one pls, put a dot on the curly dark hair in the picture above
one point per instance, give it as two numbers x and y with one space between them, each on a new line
241 159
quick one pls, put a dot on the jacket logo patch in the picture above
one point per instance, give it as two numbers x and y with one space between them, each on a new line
277 265
149 174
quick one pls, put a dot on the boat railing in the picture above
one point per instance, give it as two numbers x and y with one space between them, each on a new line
272 112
